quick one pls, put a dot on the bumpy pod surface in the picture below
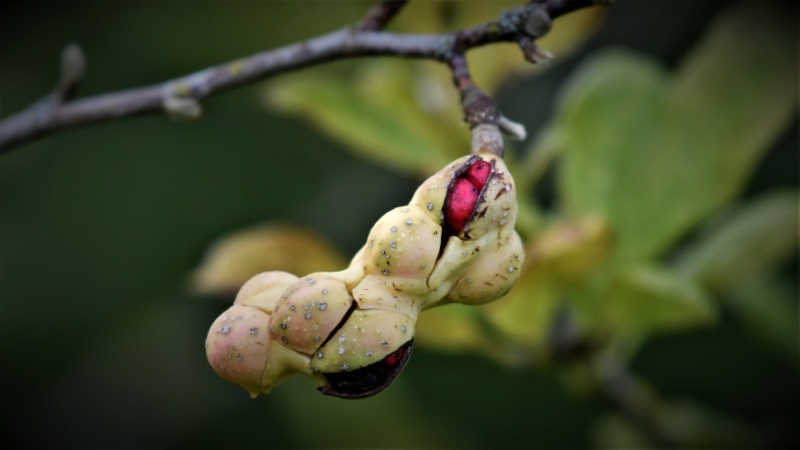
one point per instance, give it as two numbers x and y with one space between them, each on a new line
493 274
353 331
264 290
236 346
239 349
308 311
404 243
367 337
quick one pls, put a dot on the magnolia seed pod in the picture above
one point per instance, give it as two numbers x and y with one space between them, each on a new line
308 311
353 331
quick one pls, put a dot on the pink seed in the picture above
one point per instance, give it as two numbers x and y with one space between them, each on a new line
463 196
478 173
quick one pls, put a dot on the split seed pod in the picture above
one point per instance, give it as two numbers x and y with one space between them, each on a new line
353 331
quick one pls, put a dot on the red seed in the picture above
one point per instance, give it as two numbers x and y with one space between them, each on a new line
463 196
478 173
395 357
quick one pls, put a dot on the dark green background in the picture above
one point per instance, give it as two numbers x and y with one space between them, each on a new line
101 346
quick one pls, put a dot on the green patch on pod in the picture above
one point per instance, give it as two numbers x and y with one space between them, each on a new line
365 338
308 311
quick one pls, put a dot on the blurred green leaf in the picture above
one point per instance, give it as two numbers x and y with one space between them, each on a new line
649 300
655 154
766 307
696 426
379 421
423 100
383 121
681 423
168 386
454 328
460 328
613 430
559 259
235 258
542 151
526 314
744 242
406 114
570 251
736 257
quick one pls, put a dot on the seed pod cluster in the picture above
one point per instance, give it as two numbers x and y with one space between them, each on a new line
353 331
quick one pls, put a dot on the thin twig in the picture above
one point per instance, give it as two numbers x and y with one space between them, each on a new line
181 96
381 14
633 398
478 107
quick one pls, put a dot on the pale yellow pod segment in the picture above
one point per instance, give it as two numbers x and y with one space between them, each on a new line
263 290
457 254
403 243
354 272
493 274
282 363
405 295
238 345
308 311
366 338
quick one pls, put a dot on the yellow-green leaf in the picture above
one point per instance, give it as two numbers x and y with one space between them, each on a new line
556 262
460 329
235 258
766 307
745 242
656 153
382 120
649 300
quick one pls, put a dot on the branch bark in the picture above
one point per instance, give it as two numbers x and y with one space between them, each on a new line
181 96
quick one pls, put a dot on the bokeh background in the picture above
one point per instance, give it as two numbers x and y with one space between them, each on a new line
102 230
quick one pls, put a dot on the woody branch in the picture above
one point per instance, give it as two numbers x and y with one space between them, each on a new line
181 96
